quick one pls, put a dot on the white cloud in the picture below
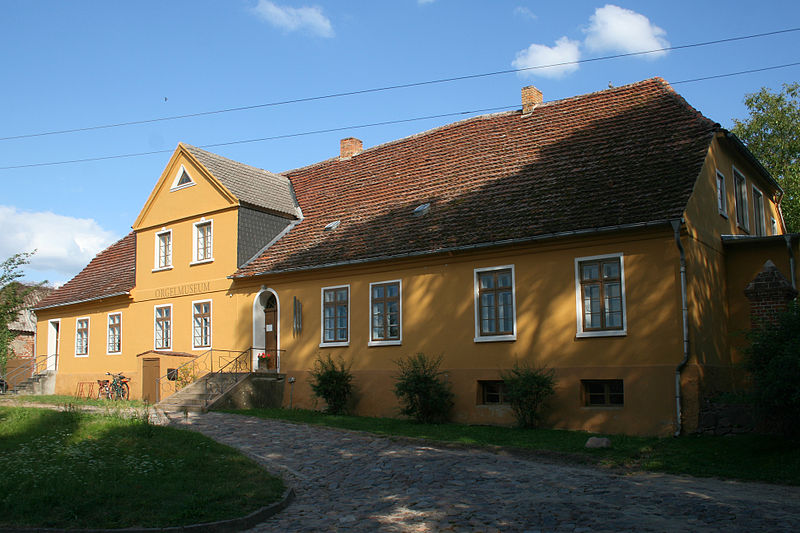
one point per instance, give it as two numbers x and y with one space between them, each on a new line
295 18
564 51
64 245
615 29
524 12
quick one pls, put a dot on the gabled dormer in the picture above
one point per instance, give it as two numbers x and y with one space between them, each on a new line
206 216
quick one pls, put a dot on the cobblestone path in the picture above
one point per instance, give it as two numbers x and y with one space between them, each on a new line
347 481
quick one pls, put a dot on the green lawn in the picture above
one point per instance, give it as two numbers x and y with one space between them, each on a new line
744 457
78 470
58 399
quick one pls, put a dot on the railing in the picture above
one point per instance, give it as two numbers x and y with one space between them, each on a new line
267 360
36 365
204 364
219 382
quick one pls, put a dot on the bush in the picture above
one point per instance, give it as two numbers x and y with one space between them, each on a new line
528 389
332 382
773 360
422 392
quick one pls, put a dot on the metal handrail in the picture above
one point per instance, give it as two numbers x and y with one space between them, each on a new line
179 378
242 363
31 368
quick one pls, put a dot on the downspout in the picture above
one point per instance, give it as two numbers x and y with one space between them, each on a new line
676 227
788 238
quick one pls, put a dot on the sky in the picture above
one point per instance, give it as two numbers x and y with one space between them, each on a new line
83 64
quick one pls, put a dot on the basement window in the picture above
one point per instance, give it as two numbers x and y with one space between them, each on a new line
603 392
492 392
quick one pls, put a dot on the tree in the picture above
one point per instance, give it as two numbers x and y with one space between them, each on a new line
12 294
772 133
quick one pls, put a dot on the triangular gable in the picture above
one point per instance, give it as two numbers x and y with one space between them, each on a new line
186 188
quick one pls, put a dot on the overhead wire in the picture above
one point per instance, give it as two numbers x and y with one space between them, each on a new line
357 126
397 86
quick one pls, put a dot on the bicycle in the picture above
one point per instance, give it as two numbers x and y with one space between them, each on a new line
115 389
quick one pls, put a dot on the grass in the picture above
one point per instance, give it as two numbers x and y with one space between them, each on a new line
72 469
744 457
59 399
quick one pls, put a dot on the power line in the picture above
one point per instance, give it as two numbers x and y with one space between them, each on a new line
358 126
272 138
398 86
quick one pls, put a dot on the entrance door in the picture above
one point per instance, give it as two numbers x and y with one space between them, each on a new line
150 374
53 340
271 331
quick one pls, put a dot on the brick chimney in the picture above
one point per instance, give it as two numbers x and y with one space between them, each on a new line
530 97
350 147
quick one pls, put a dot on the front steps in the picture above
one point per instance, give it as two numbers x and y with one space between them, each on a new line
227 390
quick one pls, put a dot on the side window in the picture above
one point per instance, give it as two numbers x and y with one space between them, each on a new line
82 337
722 198
740 185
201 324
162 330
495 307
600 296
114 335
202 242
759 224
163 250
385 313
335 316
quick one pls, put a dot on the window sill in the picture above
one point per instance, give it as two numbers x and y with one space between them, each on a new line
161 269
609 333
163 349
602 407
333 344
179 187
385 343
114 353
198 348
82 355
496 338
203 262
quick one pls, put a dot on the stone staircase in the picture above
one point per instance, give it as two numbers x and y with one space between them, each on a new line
30 386
196 397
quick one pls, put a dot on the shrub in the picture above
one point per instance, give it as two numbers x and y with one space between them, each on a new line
528 389
332 382
773 360
422 392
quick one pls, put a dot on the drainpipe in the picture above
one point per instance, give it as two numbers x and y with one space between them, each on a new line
676 227
788 238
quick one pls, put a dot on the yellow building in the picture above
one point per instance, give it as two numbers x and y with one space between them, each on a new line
593 235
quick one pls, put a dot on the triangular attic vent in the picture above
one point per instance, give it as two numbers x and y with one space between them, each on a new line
182 179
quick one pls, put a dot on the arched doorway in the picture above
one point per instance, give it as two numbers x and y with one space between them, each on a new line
266 328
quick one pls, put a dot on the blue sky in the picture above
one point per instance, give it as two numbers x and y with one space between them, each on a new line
69 65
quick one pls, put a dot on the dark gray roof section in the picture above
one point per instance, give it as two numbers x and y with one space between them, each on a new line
256 228
251 185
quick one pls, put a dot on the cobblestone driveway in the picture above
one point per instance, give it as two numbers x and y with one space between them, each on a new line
357 482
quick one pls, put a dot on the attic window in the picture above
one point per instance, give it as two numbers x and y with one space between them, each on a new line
332 226
421 210
182 180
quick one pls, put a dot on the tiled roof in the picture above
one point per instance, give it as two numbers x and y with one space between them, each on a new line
110 273
623 156
250 185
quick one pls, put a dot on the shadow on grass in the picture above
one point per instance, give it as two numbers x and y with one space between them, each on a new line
77 470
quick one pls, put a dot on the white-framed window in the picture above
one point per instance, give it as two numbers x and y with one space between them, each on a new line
740 195
82 337
162 327
114 334
759 224
495 304
385 313
201 324
203 242
335 330
600 296
722 198
182 180
163 250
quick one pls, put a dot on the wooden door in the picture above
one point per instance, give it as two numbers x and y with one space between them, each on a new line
271 332
151 371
